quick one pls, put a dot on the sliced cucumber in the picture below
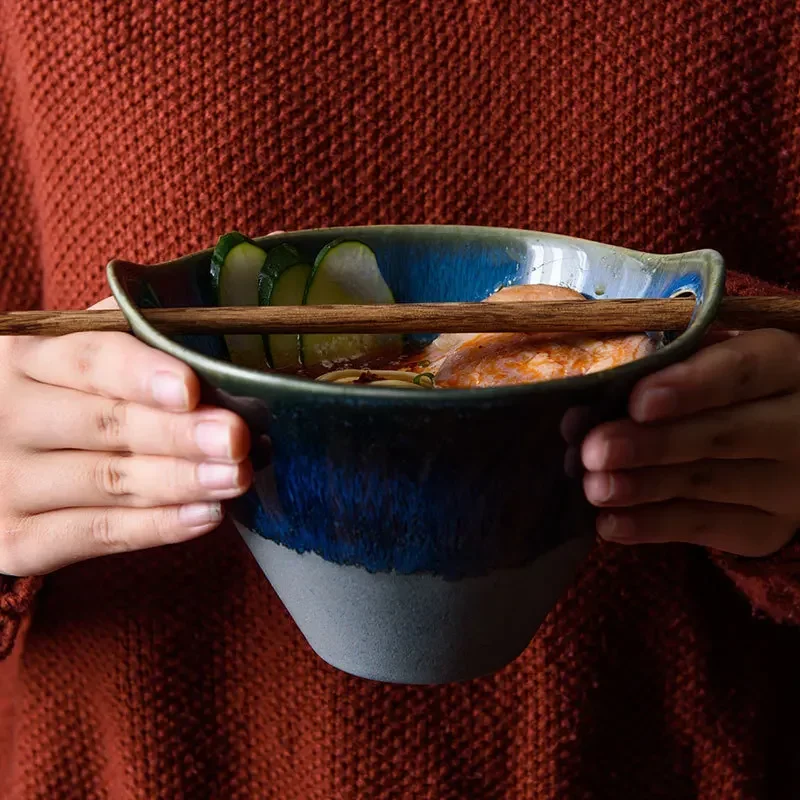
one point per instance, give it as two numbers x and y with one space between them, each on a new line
235 267
282 282
346 273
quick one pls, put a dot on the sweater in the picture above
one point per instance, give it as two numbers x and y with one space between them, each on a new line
145 129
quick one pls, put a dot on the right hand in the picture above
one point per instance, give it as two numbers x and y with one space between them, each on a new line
103 450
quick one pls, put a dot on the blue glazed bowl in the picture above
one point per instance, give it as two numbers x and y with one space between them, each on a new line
422 537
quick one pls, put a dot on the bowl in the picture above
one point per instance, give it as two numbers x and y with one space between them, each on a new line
422 537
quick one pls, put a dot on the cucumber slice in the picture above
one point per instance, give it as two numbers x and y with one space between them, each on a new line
346 273
282 282
235 266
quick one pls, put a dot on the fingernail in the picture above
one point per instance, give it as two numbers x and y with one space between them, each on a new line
218 476
655 404
615 452
599 487
213 438
614 527
169 390
198 515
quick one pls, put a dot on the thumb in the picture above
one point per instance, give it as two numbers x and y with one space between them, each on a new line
107 304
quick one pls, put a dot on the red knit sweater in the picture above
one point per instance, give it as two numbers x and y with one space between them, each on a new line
144 129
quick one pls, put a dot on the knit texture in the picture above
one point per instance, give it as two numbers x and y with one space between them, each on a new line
145 129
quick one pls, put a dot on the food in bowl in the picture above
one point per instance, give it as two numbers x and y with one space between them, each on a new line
347 272
414 536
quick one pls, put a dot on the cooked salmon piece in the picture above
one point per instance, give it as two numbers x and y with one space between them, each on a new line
470 360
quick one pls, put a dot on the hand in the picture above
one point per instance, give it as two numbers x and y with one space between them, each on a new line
103 449
711 454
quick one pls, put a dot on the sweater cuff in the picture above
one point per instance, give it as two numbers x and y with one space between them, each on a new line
16 601
771 584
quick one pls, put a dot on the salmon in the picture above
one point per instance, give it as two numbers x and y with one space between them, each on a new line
472 360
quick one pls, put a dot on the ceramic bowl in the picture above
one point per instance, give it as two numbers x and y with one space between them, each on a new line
422 537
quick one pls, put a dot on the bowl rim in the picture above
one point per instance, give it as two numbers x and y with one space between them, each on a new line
685 344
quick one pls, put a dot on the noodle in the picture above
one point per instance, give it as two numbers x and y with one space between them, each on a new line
383 377
473 360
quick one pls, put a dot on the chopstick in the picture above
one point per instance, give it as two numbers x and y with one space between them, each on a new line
602 316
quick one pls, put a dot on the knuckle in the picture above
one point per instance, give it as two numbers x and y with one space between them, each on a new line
163 522
660 445
180 477
111 476
721 438
103 532
87 347
178 433
743 368
110 421
722 442
90 351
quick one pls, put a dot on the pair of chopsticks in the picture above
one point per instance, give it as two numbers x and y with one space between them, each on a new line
605 316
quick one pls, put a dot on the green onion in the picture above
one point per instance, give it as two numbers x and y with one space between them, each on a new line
430 378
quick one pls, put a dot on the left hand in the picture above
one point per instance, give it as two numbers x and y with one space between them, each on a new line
710 454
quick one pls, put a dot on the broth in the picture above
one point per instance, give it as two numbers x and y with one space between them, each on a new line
492 359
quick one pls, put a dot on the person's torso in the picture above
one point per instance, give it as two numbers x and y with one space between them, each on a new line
148 129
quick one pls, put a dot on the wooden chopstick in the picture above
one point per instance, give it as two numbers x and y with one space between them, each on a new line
603 316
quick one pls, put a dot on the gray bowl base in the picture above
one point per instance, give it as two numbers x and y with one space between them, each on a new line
415 629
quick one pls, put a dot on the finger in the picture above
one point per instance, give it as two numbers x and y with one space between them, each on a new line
732 529
754 365
75 421
766 429
111 365
69 479
45 542
767 485
572 462
106 304
715 336
575 424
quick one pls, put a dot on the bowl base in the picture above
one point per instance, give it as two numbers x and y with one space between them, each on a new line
416 629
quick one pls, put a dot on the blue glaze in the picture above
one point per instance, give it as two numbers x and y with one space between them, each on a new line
377 503
452 483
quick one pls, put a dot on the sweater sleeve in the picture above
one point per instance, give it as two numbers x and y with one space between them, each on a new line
19 290
16 601
771 584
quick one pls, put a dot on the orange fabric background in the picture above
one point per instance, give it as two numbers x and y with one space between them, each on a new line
145 129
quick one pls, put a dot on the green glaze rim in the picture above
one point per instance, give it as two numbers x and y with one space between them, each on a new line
685 344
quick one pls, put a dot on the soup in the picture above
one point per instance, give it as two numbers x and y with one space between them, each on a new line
347 272
461 361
